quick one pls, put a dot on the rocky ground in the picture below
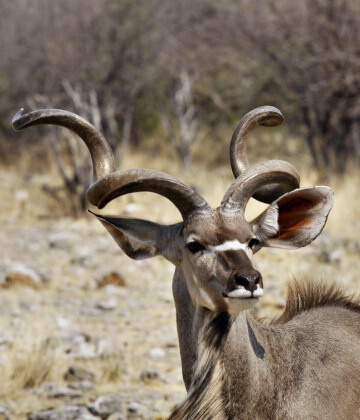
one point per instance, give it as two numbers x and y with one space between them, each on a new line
69 299
87 333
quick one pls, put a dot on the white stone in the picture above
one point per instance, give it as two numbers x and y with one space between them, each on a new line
157 353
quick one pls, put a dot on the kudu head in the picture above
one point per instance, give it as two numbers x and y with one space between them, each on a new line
212 248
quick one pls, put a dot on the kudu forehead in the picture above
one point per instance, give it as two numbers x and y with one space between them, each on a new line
217 228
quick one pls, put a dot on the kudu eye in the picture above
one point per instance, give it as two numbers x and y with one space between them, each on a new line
195 247
253 242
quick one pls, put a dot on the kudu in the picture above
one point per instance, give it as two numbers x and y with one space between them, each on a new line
305 364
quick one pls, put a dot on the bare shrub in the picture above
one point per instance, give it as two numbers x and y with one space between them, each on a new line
307 57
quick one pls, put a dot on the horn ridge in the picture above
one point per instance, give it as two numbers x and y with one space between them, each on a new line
278 172
128 181
267 116
99 148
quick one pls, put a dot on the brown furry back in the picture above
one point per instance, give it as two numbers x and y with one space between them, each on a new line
307 293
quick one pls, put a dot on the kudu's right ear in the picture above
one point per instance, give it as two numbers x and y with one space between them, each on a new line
295 219
139 239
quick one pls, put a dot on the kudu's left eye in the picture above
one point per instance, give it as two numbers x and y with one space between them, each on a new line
253 242
195 247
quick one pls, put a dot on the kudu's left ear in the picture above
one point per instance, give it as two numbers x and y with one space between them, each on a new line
139 239
295 219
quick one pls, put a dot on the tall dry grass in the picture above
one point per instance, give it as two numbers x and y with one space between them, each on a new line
29 367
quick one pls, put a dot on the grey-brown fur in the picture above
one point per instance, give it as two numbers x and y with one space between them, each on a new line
302 366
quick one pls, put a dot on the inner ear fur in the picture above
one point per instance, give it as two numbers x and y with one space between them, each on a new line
135 249
141 239
295 219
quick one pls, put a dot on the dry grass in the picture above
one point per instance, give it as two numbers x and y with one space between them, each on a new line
29 367
31 360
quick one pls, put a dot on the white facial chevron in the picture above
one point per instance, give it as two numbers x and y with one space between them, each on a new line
234 245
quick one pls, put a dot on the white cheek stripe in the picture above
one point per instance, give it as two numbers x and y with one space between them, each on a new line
230 246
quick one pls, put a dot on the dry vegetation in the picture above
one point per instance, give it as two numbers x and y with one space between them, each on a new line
91 307
134 66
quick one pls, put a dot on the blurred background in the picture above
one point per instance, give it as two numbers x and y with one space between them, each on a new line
167 83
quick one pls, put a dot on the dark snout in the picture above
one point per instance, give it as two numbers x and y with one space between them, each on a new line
250 281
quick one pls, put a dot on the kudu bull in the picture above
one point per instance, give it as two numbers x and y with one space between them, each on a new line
305 364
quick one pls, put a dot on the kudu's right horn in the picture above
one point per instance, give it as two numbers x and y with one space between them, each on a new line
107 182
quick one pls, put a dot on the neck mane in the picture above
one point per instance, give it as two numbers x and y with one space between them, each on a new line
204 395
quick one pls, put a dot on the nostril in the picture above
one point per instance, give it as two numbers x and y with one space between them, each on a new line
242 281
248 281
256 278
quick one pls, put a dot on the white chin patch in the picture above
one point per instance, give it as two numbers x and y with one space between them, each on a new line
242 293
258 292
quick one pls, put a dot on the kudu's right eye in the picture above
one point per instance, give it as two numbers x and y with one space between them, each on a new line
253 243
195 247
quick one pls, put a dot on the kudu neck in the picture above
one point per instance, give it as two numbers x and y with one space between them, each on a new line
202 331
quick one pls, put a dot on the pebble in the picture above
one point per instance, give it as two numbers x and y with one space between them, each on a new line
106 405
138 411
76 374
66 413
62 240
108 304
45 388
148 375
157 353
82 385
82 346
112 278
19 274
65 392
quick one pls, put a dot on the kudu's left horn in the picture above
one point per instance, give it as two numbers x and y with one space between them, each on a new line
267 116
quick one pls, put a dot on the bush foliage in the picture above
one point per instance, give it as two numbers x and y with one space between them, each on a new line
135 67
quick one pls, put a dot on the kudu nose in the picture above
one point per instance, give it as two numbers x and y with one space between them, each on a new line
248 281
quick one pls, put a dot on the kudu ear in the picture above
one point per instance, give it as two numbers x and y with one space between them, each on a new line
139 239
295 219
